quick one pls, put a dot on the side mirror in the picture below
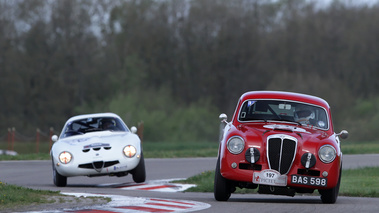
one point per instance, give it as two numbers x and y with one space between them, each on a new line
54 138
133 129
343 134
223 117
223 123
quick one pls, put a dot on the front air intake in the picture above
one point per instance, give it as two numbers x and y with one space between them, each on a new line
281 151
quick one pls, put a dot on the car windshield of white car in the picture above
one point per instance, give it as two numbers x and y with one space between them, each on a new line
284 111
83 126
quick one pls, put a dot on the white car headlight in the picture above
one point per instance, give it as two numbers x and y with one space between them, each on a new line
65 157
130 151
235 145
327 153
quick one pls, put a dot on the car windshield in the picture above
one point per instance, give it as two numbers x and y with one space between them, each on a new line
83 126
287 111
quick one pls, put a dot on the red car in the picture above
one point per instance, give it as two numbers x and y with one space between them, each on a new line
281 143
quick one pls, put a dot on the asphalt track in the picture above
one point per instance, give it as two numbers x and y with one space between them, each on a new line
38 175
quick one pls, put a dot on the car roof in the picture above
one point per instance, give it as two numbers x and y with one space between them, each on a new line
285 96
93 115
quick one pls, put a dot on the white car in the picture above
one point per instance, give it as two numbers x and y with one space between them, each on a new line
96 145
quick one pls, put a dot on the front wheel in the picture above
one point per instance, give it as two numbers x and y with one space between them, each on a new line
330 195
139 173
59 180
222 186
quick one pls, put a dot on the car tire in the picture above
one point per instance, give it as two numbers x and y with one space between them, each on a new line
59 180
139 173
330 195
222 186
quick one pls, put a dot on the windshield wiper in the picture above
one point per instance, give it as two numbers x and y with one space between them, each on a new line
298 123
265 120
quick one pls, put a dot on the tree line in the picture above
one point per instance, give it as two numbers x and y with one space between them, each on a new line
195 57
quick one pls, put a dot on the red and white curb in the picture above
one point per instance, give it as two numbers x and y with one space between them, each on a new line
125 204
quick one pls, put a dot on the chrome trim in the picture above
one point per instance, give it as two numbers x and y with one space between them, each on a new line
282 137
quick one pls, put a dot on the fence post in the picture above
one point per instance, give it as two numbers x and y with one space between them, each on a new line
13 134
140 130
50 137
37 140
9 138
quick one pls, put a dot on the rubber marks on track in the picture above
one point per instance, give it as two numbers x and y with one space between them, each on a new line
124 204
160 185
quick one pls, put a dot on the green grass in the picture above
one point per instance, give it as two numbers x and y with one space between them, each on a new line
360 182
355 147
33 156
11 195
179 150
355 183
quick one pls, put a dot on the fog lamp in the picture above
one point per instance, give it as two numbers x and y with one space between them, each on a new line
252 155
308 160
234 165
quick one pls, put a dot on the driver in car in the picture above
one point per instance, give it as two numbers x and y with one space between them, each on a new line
108 124
304 115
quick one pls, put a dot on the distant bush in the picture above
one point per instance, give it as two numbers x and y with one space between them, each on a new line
362 120
164 119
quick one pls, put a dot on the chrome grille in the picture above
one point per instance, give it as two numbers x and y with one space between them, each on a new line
281 151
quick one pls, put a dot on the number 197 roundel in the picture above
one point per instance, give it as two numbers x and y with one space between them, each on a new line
96 145
281 143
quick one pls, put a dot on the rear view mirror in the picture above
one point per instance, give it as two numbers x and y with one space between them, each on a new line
133 129
343 134
54 138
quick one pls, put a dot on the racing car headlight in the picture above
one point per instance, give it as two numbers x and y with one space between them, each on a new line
130 151
327 153
65 157
235 145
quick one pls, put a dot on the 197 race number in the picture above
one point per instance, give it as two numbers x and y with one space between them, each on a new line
311 181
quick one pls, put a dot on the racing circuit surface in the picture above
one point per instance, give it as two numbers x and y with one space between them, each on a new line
38 175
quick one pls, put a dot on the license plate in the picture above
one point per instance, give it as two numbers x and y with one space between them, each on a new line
310 181
269 177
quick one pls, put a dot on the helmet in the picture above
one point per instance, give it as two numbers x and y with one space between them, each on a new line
303 114
107 123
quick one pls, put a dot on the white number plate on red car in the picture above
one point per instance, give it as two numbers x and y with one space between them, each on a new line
270 177
311 181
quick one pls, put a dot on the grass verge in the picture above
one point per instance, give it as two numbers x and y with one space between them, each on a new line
354 182
11 195
360 182
356 147
20 199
